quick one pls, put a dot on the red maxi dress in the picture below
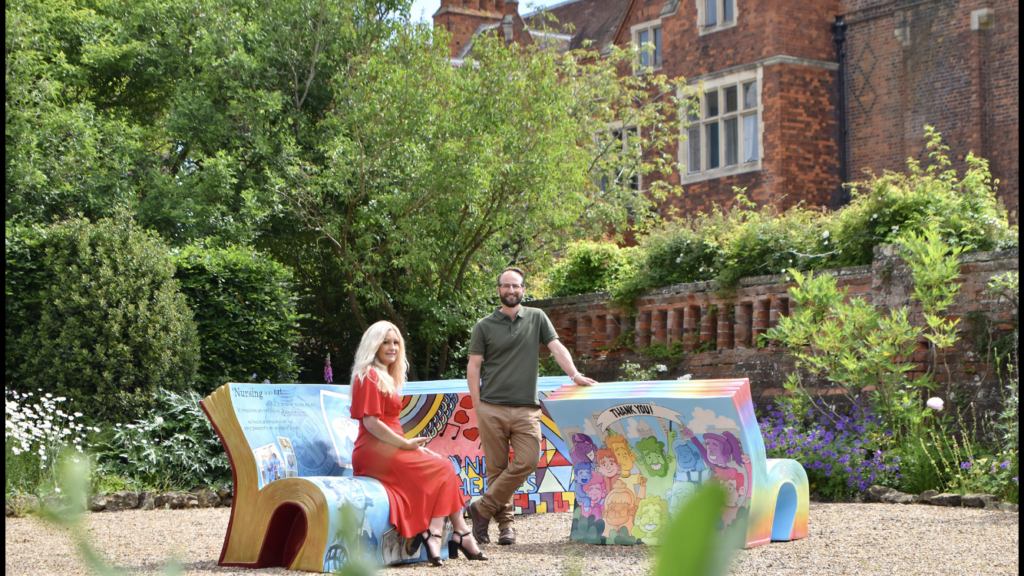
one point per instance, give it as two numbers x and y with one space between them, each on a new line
420 485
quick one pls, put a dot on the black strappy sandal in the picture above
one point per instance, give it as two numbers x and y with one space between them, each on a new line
434 560
453 548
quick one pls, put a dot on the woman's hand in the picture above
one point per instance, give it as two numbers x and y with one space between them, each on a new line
415 443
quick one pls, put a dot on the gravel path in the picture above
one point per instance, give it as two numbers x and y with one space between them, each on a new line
845 539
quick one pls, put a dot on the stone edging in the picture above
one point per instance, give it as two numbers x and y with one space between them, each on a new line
880 252
202 497
888 495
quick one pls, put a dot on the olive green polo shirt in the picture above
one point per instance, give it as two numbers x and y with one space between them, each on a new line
511 351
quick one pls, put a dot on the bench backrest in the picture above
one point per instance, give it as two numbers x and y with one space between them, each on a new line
639 449
305 430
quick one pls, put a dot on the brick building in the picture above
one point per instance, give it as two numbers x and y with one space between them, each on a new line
802 95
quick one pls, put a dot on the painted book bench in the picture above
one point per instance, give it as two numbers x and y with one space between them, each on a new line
640 449
290 449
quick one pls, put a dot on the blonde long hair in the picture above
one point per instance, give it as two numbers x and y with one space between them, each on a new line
390 379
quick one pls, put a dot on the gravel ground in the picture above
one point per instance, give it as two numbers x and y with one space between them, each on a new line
844 539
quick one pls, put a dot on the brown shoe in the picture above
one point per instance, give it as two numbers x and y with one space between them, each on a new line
480 523
507 536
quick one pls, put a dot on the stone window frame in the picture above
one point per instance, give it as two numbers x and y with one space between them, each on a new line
634 32
721 24
718 84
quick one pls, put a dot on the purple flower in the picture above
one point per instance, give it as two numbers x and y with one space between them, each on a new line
888 432
328 373
965 465
1005 465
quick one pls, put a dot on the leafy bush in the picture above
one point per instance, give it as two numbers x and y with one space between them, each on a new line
244 312
94 314
842 452
726 245
173 446
819 336
965 210
963 466
590 267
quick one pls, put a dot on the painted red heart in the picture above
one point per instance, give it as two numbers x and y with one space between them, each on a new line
461 417
466 402
472 434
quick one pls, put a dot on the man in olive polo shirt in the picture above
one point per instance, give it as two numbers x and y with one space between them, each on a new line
506 345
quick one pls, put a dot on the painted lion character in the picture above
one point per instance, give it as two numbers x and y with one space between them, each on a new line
651 519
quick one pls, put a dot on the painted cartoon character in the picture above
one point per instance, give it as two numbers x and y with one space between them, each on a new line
624 454
619 509
583 449
651 456
678 495
735 492
582 473
596 493
689 462
608 467
651 519
721 451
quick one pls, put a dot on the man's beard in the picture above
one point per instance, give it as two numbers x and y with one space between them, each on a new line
511 299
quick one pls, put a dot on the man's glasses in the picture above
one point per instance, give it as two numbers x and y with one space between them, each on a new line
512 286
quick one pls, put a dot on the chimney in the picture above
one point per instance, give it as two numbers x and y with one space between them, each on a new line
506 27
471 4
487 5
511 7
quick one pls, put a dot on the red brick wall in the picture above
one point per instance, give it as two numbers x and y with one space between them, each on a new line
799 143
800 137
697 313
962 81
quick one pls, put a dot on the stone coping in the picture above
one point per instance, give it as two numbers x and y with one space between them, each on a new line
881 252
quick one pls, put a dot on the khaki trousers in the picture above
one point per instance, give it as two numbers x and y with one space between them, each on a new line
501 426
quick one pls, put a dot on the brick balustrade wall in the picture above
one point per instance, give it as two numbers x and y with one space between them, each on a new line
719 331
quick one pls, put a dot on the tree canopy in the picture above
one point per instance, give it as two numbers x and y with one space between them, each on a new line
339 140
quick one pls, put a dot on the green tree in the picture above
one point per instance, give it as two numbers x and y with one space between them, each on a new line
244 312
94 314
439 176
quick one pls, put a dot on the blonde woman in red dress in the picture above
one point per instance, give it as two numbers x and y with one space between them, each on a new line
422 487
